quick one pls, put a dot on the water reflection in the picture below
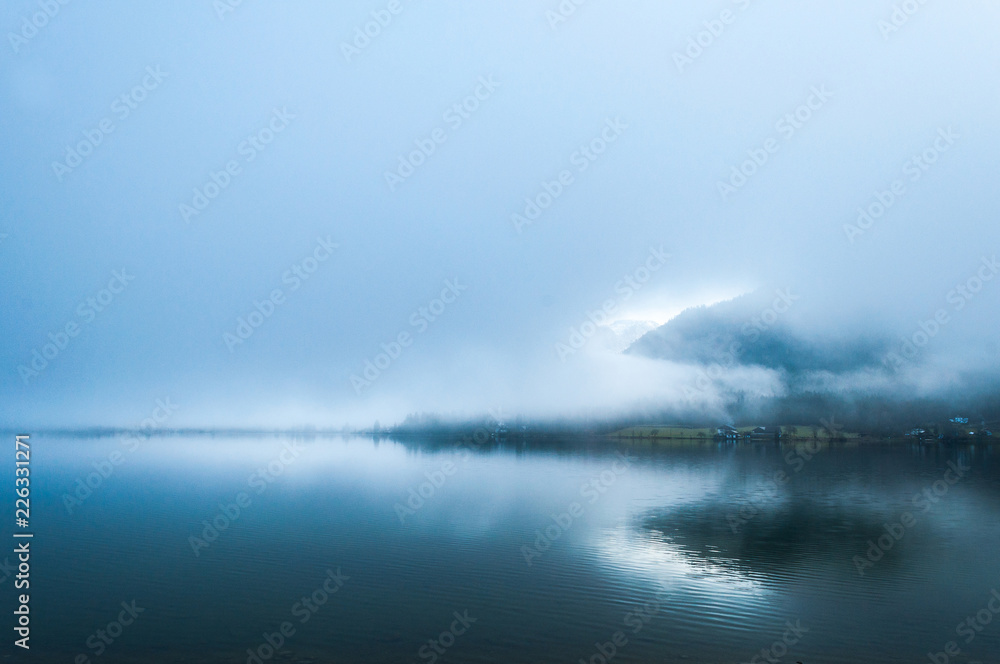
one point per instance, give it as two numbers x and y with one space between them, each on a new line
663 528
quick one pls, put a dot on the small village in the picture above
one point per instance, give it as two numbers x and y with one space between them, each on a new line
954 430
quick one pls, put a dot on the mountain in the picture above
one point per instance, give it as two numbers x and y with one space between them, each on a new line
746 331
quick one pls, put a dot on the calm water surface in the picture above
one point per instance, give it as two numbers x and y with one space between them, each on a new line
694 553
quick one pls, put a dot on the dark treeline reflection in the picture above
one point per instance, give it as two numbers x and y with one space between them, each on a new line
552 543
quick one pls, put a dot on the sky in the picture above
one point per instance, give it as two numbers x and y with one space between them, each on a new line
325 214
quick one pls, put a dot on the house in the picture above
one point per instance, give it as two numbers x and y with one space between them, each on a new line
765 434
727 432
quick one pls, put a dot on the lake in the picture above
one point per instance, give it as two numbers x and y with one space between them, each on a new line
349 549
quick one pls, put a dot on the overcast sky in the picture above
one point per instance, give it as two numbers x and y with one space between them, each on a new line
198 157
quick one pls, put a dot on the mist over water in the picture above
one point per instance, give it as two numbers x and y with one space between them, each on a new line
517 331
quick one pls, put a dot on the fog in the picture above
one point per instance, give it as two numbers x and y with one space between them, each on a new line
311 226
